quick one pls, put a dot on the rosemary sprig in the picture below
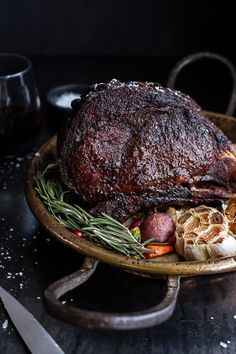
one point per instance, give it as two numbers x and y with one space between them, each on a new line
106 231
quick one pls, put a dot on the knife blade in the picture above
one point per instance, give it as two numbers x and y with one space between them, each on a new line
37 339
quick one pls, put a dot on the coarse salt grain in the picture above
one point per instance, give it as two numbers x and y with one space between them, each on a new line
65 99
235 317
212 318
224 345
5 324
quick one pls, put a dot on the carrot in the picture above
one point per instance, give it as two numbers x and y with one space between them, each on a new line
160 249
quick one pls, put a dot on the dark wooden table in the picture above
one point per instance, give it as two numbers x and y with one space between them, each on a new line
205 317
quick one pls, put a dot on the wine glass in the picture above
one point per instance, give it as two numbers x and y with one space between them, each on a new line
20 116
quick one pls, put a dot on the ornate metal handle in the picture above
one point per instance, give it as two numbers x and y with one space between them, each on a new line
135 320
206 55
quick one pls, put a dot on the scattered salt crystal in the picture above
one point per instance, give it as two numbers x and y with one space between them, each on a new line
64 100
212 318
38 297
228 341
64 302
224 345
11 229
20 274
235 317
5 324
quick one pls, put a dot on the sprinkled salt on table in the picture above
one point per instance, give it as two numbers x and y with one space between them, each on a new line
5 324
65 99
224 345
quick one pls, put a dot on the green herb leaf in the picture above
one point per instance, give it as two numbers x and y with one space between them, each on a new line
106 231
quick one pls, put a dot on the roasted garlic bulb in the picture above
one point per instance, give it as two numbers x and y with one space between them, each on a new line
202 233
229 211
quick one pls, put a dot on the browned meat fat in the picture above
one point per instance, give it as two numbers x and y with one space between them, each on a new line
134 146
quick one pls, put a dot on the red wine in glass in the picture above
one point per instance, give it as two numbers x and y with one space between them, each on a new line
20 117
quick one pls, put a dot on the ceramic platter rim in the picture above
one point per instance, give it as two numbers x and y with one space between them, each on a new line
87 248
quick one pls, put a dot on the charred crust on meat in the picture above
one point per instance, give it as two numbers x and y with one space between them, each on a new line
137 145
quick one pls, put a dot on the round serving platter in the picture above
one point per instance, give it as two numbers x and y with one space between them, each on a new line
165 265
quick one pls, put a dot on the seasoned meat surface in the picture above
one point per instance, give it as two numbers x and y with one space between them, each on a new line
134 146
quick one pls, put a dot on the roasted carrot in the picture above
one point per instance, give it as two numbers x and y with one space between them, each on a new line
160 250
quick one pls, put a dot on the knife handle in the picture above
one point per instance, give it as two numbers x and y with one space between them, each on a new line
93 319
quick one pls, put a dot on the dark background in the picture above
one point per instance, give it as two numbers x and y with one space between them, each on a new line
85 41
152 28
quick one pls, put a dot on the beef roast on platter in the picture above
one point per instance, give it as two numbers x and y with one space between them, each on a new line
135 146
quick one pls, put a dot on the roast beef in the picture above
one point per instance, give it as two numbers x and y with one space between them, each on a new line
135 146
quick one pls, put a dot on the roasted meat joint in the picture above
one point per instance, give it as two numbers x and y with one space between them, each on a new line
141 149
135 146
